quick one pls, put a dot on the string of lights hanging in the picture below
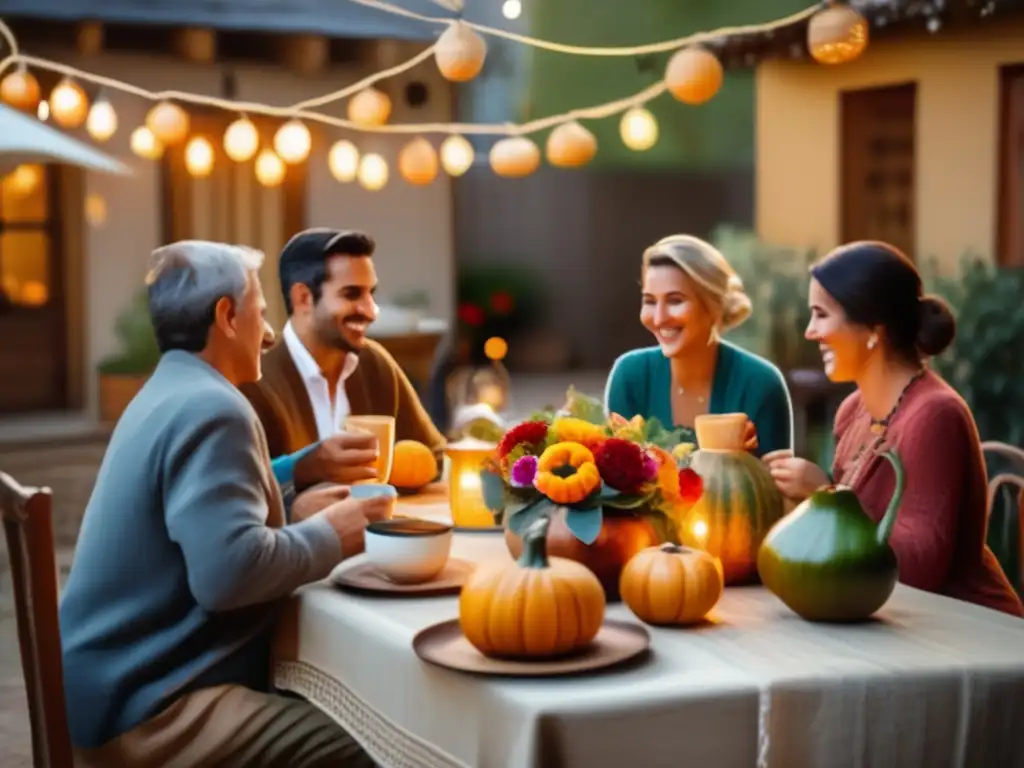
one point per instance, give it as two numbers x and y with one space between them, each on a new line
836 33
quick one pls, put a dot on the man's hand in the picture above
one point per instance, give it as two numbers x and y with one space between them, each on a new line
315 499
345 458
350 517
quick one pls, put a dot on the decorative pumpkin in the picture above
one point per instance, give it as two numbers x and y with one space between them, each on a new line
460 53
417 162
533 608
694 75
413 465
571 145
740 502
514 157
672 584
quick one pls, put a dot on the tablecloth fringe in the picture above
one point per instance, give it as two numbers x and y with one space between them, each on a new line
764 710
386 743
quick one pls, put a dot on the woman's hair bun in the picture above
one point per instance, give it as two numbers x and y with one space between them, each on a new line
938 326
736 306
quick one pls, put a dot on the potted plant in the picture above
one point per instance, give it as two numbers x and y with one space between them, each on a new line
122 374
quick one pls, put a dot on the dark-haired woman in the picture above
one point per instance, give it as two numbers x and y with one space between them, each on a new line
876 329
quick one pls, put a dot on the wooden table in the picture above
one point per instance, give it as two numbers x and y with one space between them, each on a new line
932 682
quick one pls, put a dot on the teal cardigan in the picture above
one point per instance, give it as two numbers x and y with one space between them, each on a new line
640 383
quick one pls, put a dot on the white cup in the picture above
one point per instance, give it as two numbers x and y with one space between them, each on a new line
408 550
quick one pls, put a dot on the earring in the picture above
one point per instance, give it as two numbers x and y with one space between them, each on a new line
872 342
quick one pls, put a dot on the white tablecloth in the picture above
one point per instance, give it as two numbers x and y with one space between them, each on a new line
933 682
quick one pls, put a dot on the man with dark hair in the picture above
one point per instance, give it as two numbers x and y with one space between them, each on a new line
326 369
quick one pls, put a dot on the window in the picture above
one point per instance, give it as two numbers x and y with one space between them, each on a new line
1010 221
877 168
26 278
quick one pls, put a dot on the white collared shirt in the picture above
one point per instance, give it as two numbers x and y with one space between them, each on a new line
330 416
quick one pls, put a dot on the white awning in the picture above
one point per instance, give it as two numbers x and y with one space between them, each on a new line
23 139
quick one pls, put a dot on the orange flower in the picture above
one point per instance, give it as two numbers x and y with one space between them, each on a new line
566 473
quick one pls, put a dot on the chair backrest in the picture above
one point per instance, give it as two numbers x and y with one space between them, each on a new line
1016 477
27 515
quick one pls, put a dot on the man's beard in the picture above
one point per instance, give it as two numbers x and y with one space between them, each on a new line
330 333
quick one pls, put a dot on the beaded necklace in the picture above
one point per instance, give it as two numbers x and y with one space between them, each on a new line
879 428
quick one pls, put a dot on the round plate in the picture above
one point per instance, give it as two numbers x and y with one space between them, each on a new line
616 643
367 579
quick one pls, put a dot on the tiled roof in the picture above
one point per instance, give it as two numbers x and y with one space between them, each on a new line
334 18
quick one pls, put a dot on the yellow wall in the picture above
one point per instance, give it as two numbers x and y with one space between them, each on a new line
798 160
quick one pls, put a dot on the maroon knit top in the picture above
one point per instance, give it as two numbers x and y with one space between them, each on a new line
942 523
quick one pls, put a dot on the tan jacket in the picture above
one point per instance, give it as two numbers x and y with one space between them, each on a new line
377 387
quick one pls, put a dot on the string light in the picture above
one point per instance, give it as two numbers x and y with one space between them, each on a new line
373 172
456 155
102 120
199 157
270 169
292 142
69 105
144 144
639 129
241 140
343 161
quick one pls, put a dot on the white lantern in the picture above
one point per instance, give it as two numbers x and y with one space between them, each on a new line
417 162
373 172
241 140
369 107
639 129
292 142
168 122
456 155
515 157
571 145
460 53
145 144
69 105
343 161
270 169
102 121
199 157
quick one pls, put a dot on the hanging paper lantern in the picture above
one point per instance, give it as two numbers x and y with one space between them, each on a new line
343 161
270 169
241 140
102 120
460 53
145 144
694 75
373 172
515 157
292 142
168 123
69 105
457 155
20 90
837 35
369 107
24 180
571 145
639 129
199 157
417 162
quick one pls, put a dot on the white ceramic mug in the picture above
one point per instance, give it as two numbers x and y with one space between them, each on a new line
408 550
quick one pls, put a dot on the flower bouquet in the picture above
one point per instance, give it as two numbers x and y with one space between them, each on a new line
591 467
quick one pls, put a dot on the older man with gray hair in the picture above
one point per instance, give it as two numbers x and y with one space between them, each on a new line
184 555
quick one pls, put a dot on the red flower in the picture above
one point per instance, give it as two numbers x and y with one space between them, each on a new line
501 302
529 432
471 314
621 464
691 485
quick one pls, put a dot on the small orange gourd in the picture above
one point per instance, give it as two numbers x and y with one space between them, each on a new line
669 584
535 607
413 465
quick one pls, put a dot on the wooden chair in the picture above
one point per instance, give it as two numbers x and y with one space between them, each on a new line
1015 479
27 514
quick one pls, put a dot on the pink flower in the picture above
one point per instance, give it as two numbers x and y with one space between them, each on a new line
523 471
651 467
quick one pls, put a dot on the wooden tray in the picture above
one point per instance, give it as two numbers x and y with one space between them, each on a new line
366 579
616 643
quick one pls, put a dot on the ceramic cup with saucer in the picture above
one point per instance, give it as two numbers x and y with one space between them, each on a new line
371 490
408 550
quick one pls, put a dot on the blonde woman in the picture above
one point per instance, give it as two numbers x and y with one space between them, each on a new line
690 296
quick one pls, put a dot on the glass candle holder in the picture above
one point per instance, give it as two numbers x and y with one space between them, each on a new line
465 488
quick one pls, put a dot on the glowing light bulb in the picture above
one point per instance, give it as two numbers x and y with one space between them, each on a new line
270 169
241 140
456 155
102 121
511 9
145 144
343 161
199 157
373 172
292 142
639 129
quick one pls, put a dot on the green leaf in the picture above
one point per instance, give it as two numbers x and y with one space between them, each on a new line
520 518
585 407
493 488
628 501
585 524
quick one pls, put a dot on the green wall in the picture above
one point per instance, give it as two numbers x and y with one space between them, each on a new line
716 135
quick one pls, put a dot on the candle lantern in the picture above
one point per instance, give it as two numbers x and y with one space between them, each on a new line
465 487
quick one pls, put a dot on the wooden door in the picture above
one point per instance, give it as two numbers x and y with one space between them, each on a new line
877 183
33 316
1011 168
